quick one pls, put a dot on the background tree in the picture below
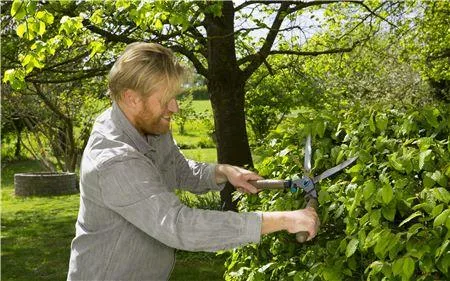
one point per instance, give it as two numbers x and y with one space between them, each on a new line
211 35
48 107
426 42
274 93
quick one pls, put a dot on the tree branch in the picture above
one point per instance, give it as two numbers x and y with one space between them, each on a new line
86 74
262 54
50 105
108 35
201 69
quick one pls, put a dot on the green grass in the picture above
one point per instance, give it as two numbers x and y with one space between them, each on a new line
202 105
208 155
36 231
197 131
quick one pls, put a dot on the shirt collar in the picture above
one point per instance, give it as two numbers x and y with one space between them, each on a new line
138 141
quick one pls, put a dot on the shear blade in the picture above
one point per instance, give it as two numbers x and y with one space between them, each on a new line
333 170
307 163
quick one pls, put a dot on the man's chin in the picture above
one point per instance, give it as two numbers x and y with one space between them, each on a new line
159 131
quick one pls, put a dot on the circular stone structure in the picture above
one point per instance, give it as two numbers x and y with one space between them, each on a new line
45 183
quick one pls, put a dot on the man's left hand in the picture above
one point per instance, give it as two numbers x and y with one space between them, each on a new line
238 177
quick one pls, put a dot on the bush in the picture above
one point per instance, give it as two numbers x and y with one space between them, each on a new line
385 218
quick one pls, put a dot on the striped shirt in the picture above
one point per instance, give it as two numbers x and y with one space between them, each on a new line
130 220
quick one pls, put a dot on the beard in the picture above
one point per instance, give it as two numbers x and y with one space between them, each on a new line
150 123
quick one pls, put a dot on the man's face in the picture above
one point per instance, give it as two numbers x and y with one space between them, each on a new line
153 115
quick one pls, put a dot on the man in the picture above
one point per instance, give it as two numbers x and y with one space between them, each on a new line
130 220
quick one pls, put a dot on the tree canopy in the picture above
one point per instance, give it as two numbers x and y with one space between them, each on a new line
57 42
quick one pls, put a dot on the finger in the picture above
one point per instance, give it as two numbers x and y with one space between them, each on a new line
250 188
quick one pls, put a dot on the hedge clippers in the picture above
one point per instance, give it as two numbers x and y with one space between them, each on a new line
306 182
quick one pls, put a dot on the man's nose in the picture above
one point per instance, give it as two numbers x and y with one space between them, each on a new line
172 106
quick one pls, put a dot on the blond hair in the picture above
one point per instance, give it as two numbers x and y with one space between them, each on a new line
144 67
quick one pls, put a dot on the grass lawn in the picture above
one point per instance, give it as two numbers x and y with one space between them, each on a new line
37 231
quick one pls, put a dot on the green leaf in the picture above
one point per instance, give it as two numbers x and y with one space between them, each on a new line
412 216
41 28
45 16
122 4
437 210
397 267
320 128
428 182
158 24
16 78
96 17
425 143
382 246
444 264
389 212
351 247
375 217
356 168
441 250
408 267
441 219
369 189
431 115
447 171
424 158
18 9
441 194
397 165
21 29
440 178
376 267
381 122
387 193
413 230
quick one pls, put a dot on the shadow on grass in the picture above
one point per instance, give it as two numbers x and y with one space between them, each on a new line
36 246
198 266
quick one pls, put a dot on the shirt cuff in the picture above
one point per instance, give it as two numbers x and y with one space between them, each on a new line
212 178
253 227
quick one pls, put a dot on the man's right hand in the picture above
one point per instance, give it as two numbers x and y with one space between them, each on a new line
291 221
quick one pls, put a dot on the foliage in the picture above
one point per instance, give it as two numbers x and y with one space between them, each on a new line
385 217
198 131
199 92
187 112
208 201
57 136
44 105
67 41
274 93
427 46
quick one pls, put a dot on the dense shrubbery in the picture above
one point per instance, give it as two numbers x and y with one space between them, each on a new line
385 218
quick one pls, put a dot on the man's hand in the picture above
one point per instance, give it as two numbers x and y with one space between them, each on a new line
292 221
237 176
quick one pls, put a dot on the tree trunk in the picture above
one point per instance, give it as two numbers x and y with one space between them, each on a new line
18 148
226 87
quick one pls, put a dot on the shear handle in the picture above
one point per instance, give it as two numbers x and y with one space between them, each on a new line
270 184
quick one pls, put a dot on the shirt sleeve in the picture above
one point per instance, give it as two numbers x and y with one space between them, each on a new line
195 176
142 199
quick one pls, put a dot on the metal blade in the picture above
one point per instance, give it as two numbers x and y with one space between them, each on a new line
307 164
333 170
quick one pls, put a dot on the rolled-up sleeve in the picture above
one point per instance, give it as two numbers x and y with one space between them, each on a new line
142 199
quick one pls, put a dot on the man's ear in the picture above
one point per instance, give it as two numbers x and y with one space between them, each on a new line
130 98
